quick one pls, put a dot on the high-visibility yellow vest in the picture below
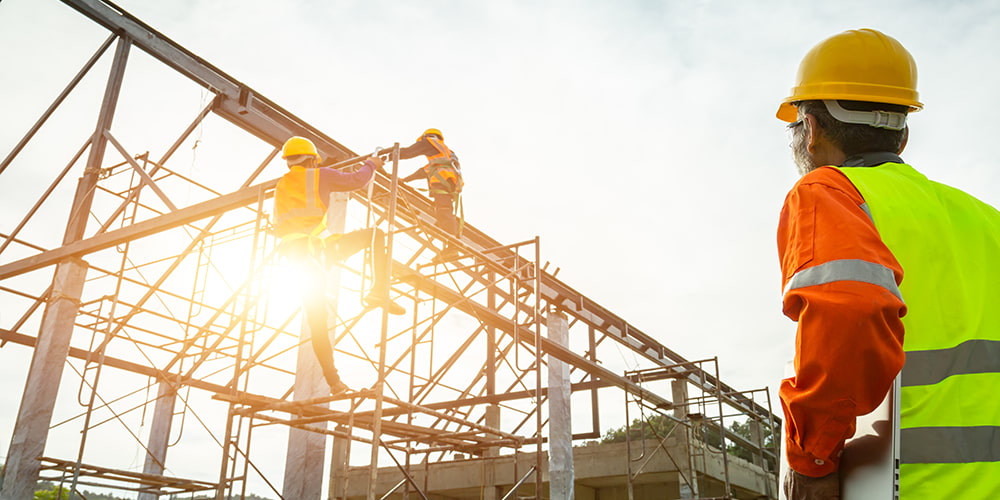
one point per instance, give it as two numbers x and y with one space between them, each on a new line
298 208
948 244
444 175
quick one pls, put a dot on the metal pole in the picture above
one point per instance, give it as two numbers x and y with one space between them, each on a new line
384 335
775 442
628 450
535 311
722 431
490 490
55 104
56 330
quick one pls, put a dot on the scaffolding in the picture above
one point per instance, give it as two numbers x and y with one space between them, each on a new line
164 298
698 422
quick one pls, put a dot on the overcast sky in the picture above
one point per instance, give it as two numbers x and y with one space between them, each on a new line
637 138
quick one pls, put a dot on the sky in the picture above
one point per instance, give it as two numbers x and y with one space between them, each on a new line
637 138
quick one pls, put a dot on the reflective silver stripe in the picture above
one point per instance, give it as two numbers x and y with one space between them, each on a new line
932 366
845 270
868 211
949 445
311 208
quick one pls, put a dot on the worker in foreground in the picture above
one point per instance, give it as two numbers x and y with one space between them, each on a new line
887 273
300 205
444 182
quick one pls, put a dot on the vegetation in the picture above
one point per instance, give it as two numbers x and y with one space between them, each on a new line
53 492
660 426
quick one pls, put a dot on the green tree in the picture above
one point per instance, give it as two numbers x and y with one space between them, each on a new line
53 492
713 438
657 426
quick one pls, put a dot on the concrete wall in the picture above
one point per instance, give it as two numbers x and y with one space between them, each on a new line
600 472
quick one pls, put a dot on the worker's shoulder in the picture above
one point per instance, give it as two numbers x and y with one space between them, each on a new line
827 176
822 183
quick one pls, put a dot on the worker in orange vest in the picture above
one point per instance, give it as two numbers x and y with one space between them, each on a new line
444 181
300 204
892 279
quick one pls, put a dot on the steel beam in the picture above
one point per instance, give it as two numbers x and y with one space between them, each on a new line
239 104
158 224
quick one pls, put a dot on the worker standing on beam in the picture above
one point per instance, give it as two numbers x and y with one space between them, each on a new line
300 204
870 250
444 182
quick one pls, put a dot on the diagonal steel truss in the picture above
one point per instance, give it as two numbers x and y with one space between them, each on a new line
159 293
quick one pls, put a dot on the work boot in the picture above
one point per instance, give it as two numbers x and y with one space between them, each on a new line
374 299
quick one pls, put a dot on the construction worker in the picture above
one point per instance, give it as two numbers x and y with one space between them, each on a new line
444 181
300 204
879 266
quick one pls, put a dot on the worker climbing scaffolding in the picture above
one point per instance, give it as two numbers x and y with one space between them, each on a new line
444 182
300 205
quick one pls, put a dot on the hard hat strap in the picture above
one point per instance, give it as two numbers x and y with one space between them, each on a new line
878 119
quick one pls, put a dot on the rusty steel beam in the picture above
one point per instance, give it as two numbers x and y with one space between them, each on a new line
138 230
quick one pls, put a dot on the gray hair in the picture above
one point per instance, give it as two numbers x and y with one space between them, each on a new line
853 138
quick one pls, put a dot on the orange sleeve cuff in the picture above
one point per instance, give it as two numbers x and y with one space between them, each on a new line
808 464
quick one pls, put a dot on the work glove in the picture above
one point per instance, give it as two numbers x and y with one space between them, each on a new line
802 487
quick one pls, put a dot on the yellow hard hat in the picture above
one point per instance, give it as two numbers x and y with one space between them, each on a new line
298 146
434 131
856 65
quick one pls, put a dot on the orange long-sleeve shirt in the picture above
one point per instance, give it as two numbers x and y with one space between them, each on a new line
849 343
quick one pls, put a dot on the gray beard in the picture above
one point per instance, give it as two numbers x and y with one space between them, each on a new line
803 161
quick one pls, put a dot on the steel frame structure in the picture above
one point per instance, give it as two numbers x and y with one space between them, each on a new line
145 292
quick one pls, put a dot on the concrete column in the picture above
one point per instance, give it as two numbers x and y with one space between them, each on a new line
490 489
304 458
560 413
159 434
339 467
679 394
756 437
42 386
305 453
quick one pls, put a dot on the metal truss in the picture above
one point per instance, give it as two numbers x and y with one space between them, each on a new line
161 298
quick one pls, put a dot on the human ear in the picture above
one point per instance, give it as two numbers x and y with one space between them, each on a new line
812 132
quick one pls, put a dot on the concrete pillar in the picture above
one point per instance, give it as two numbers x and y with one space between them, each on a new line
42 386
304 458
560 412
679 395
339 467
491 491
756 437
689 483
159 434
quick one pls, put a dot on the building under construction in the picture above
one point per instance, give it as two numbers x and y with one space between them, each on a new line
168 362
